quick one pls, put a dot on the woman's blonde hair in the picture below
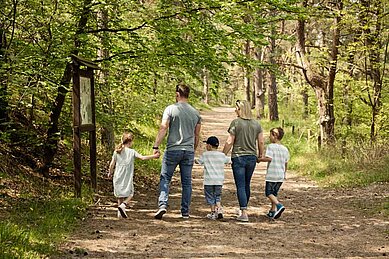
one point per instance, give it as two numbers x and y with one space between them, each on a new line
126 138
244 108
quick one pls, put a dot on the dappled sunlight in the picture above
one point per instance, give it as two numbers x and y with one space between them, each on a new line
317 222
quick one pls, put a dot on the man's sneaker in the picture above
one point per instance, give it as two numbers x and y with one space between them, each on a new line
122 210
270 214
280 209
160 213
212 215
243 218
219 213
185 216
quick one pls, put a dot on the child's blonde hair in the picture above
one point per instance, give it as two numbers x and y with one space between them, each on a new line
126 138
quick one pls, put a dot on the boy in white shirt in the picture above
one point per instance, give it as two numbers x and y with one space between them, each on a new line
213 161
277 157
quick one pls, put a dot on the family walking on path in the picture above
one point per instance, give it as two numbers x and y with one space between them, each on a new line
182 124
338 231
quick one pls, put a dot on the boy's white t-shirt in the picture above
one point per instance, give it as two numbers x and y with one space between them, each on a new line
276 168
213 162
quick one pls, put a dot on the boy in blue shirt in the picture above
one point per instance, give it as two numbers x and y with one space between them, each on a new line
213 161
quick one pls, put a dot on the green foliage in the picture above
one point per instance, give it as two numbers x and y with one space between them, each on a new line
35 226
15 242
351 167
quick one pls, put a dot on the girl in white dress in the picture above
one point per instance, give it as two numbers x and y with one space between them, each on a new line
122 169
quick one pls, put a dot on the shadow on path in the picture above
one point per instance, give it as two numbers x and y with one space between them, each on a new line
316 223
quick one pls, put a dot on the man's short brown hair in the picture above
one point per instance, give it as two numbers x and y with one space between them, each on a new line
183 89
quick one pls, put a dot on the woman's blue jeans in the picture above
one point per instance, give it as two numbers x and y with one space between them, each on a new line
171 159
243 168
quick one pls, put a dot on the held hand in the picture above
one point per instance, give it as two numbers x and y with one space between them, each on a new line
109 175
157 154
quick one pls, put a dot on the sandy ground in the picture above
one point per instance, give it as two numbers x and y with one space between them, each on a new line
317 222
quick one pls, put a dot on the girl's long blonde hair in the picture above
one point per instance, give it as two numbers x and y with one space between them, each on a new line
126 138
244 108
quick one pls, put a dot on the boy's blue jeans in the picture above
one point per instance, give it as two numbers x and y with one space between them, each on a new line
243 168
171 159
213 194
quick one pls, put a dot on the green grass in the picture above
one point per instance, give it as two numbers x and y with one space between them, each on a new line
35 226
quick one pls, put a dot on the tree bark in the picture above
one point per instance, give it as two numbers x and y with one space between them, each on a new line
3 81
259 87
206 85
272 92
247 86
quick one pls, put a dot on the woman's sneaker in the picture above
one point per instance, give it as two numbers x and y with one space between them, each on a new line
280 209
243 218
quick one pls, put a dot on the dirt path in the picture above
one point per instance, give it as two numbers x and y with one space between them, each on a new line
317 222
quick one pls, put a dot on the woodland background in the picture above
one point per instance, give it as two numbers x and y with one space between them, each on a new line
317 68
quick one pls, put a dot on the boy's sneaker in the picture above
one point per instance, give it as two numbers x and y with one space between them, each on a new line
280 209
119 215
270 214
243 218
160 213
212 215
122 210
185 216
219 213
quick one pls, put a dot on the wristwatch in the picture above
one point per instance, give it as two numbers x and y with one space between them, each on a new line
155 147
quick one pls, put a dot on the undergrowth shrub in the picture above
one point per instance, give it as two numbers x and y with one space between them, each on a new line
357 165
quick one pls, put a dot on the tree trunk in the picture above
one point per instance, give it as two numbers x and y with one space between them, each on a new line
272 93
107 129
247 86
51 144
323 87
3 78
206 85
373 45
305 96
258 87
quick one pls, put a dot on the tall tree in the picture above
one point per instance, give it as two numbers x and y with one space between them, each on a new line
272 87
51 144
322 84
259 87
371 19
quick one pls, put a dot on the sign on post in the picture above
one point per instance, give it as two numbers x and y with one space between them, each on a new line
83 100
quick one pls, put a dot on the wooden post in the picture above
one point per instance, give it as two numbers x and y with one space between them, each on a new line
83 118
77 161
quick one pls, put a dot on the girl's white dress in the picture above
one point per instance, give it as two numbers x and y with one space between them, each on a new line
123 183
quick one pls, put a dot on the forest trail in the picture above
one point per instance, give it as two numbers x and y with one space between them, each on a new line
317 222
